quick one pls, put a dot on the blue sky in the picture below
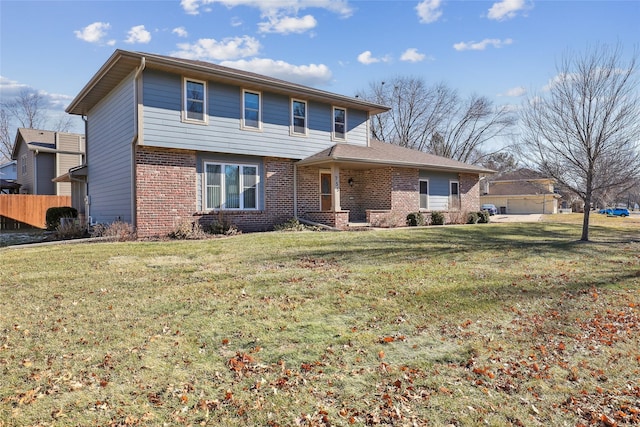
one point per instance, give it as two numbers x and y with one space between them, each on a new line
501 49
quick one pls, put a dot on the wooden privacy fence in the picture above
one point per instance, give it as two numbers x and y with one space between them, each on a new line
30 209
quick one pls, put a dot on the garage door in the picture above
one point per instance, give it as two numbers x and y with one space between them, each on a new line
523 207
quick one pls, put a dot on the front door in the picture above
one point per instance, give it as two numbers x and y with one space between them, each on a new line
326 195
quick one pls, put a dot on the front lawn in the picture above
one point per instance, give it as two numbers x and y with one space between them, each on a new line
498 324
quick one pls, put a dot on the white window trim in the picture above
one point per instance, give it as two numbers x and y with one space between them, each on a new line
421 180
320 173
223 186
334 137
205 113
243 126
454 208
306 118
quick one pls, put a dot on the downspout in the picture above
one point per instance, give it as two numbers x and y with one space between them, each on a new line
35 171
295 191
87 203
134 142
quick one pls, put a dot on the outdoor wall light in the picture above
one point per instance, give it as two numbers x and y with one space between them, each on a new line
350 182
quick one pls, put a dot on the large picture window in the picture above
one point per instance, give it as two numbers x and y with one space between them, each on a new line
251 114
195 100
231 186
298 117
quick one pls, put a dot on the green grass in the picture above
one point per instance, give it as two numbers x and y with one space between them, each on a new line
499 324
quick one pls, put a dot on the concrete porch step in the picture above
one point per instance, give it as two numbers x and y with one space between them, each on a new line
356 225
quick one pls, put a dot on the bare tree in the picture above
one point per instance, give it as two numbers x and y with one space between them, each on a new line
436 119
502 161
27 110
584 131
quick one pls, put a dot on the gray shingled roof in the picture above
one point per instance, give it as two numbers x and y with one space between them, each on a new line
383 154
122 63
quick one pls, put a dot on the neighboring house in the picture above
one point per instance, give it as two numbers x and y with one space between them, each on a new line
171 140
42 155
9 171
521 192
8 174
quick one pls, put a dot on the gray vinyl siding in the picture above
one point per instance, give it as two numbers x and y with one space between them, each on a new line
110 131
25 180
46 164
438 188
163 127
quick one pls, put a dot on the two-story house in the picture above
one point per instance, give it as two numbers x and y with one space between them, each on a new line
171 139
42 155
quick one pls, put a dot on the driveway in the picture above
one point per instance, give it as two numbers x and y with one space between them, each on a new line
516 218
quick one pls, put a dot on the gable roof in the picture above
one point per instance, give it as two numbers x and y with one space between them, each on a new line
39 140
523 174
122 63
384 154
512 188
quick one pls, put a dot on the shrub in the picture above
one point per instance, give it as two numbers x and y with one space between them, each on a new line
457 217
473 218
437 218
484 217
118 230
188 230
53 215
222 226
70 230
415 219
294 225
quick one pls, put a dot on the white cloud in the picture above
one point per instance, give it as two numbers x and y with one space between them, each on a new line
180 32
497 43
138 34
506 9
429 11
310 75
272 7
288 25
367 58
412 55
10 88
514 92
214 50
94 33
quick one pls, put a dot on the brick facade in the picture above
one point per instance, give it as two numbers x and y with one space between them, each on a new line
166 195
165 189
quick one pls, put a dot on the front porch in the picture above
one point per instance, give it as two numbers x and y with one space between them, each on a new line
347 197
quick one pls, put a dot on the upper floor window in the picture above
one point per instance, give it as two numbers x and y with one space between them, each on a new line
231 186
251 111
298 117
23 164
339 123
195 100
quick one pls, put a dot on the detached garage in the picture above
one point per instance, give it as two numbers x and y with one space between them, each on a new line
521 192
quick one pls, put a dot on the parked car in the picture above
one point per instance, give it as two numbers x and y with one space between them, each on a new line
491 208
615 211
